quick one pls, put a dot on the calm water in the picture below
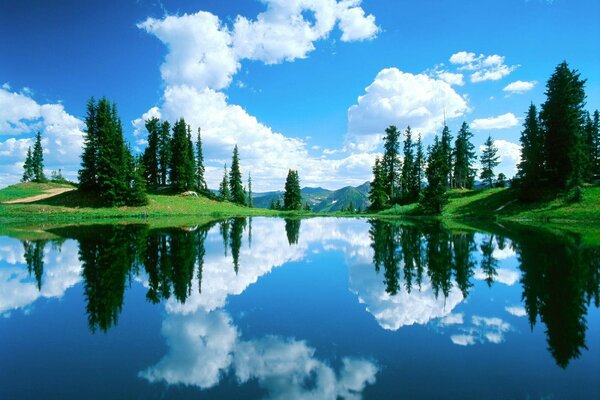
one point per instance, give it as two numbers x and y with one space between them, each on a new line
284 309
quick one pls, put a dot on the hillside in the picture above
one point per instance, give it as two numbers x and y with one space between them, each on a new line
341 199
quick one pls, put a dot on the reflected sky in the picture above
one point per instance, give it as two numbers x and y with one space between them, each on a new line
315 308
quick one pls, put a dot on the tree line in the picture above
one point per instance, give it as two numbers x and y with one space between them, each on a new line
561 142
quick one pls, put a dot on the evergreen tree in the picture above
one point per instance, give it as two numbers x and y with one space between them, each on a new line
391 162
37 160
562 119
238 194
200 181
272 206
446 145
307 206
164 151
464 157
150 157
88 174
501 180
434 196
596 135
250 199
136 195
489 161
28 167
418 169
292 198
408 179
182 174
531 168
224 193
377 194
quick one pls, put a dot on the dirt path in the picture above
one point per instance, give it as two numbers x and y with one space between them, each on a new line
48 193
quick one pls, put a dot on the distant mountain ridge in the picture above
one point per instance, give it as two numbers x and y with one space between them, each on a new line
320 199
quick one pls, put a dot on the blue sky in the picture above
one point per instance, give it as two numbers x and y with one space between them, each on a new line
307 84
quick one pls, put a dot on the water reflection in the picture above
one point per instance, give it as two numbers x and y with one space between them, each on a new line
404 274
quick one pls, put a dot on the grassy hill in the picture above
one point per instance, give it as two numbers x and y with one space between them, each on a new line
341 199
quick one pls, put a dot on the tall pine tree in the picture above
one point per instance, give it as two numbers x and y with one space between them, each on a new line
200 181
434 195
446 149
164 151
292 198
182 174
378 198
224 193
407 180
391 162
489 161
531 168
464 157
562 119
238 194
250 199
28 167
37 160
88 174
418 168
150 157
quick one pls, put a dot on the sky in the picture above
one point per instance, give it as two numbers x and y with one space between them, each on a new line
302 84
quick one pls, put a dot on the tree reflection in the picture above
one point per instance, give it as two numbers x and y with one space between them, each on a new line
292 230
33 252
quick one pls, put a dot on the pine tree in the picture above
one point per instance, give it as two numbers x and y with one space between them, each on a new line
418 169
164 151
562 119
407 180
250 199
446 149
489 161
136 195
377 194
434 195
238 195
501 180
88 174
531 169
224 193
182 174
292 198
150 157
464 157
37 160
391 162
28 167
596 135
200 181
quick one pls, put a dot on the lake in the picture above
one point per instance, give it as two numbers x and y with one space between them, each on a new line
318 308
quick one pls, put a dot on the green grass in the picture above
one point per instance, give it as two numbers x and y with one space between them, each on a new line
22 190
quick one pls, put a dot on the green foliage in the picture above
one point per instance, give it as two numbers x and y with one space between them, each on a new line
562 119
489 161
150 158
377 194
201 186
391 164
164 151
531 169
224 193
238 194
250 202
409 182
106 161
37 160
446 149
182 166
434 196
501 182
28 167
292 198
464 157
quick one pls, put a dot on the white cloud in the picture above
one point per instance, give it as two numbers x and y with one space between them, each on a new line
463 339
62 135
517 311
203 57
519 87
451 78
483 329
485 68
510 155
503 121
505 276
62 270
401 99
453 319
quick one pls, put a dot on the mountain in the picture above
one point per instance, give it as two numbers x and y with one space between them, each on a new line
322 200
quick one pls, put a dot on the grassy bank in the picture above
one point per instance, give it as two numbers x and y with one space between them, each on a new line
491 205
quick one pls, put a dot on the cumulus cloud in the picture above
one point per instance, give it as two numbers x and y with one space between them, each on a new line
62 270
21 115
203 347
503 121
401 98
482 67
519 87
505 276
204 55
517 311
482 330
